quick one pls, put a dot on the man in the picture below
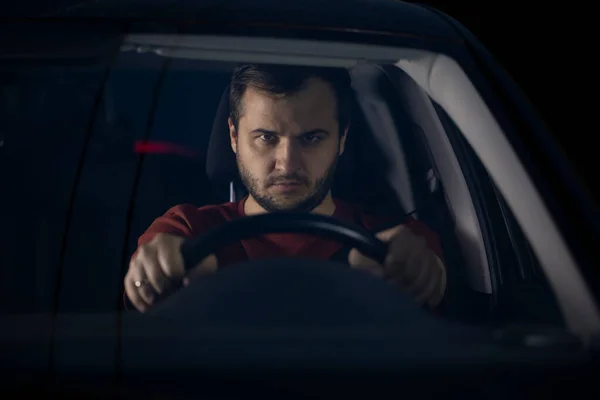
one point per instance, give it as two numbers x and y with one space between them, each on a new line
288 127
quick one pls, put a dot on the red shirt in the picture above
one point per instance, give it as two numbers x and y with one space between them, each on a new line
188 221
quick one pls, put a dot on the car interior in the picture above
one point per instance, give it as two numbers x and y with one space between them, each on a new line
91 173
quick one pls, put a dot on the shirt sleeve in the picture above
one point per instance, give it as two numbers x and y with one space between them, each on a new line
175 222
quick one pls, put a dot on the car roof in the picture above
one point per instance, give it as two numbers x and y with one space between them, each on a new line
380 16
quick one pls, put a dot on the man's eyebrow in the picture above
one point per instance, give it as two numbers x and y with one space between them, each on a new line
314 131
264 131
274 133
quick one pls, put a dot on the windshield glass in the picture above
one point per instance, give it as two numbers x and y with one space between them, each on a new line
116 167
103 153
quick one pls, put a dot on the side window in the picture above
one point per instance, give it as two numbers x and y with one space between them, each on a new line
45 114
527 293
521 293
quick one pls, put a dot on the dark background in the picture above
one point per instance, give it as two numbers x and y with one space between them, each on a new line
547 48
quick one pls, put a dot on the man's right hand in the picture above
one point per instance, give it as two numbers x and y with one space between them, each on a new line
157 267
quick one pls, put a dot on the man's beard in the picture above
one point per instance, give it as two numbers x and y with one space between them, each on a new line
269 202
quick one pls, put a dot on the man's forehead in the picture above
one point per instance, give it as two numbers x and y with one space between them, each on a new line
315 101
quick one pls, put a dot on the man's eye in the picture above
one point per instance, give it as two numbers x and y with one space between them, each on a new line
312 138
266 137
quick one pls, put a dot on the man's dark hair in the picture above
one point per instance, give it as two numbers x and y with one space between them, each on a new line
286 80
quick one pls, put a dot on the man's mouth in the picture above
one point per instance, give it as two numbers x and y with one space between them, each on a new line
287 185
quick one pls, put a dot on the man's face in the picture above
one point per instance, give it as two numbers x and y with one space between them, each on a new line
287 147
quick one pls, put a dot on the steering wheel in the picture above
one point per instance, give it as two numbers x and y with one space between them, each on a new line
196 249
286 312
280 309
284 291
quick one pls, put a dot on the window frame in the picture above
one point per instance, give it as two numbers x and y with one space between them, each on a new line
511 260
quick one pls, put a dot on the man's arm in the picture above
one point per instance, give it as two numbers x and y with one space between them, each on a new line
157 260
174 222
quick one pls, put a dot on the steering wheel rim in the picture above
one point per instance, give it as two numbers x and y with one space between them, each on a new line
194 250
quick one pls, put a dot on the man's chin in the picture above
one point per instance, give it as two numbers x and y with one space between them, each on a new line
284 203
287 205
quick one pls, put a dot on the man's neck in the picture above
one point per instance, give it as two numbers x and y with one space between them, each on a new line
327 206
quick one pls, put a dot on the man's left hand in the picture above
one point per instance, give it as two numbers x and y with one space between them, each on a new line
409 264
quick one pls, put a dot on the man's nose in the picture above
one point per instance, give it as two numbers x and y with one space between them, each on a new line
288 156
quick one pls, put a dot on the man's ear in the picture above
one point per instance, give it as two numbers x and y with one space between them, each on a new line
343 140
232 135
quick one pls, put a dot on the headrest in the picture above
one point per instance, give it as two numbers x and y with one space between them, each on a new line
221 165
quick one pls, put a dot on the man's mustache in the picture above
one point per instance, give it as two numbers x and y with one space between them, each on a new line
287 178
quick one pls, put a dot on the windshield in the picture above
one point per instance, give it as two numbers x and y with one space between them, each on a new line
113 164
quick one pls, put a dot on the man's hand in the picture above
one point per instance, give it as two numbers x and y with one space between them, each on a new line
409 264
156 267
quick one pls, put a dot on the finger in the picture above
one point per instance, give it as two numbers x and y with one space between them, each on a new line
426 294
170 258
147 293
156 278
399 241
428 288
133 295
388 234
438 285
358 260
426 278
412 277
148 259
420 288
405 257
206 266
149 270
138 271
